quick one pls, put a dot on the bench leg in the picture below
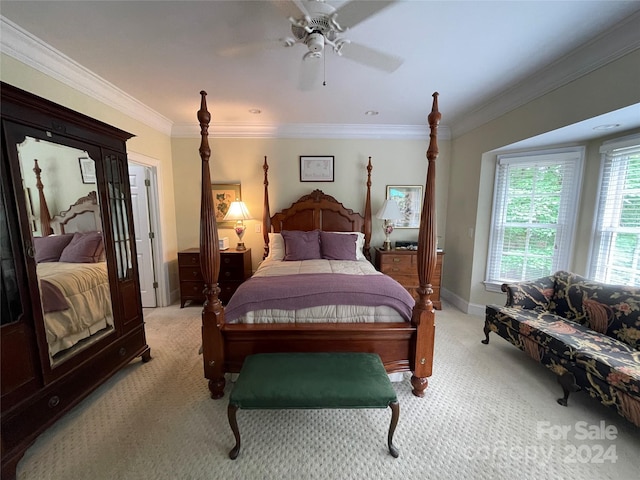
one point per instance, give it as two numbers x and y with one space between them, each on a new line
395 414
231 413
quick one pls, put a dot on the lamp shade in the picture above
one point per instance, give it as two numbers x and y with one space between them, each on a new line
238 211
389 210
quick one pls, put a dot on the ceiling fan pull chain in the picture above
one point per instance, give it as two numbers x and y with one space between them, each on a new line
324 70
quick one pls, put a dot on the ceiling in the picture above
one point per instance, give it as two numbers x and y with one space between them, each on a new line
483 57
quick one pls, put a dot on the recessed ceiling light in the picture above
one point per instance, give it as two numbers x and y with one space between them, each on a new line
371 112
609 126
255 111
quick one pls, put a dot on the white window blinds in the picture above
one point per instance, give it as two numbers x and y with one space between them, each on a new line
616 245
534 208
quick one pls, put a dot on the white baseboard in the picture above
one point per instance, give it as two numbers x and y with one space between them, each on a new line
461 304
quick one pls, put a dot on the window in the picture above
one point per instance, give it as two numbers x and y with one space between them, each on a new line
534 208
615 254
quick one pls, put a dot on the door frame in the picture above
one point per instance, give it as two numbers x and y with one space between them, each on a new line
161 274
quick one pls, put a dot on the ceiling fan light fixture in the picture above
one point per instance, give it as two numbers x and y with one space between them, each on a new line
315 42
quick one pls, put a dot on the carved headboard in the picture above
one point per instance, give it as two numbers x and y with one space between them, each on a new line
82 216
317 211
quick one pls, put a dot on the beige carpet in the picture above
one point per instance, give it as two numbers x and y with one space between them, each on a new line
484 417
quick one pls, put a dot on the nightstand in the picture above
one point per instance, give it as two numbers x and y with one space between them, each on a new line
402 266
235 268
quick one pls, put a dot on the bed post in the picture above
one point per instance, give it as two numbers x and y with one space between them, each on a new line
45 217
266 215
212 311
423 313
367 215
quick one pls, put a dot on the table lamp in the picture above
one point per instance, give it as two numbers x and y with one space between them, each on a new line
388 213
238 212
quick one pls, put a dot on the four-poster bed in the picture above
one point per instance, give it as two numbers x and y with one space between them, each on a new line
402 345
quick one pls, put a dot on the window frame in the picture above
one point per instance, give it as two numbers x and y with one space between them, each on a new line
596 270
569 206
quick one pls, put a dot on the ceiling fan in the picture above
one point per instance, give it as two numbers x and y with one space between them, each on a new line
320 27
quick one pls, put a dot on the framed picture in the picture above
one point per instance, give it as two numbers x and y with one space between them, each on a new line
87 170
409 199
223 195
316 168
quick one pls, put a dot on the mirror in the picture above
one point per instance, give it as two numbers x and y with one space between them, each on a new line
60 188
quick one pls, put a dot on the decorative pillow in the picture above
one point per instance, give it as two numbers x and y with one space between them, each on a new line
338 247
301 245
276 247
84 248
359 243
49 249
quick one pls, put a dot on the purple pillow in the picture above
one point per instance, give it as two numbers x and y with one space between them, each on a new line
336 246
49 249
84 248
301 245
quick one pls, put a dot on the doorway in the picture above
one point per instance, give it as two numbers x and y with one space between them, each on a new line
143 181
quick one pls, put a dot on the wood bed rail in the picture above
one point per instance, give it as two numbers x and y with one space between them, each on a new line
212 311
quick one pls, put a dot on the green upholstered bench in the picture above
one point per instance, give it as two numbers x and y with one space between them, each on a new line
313 381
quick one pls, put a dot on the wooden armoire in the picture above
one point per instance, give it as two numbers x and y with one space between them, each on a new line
37 387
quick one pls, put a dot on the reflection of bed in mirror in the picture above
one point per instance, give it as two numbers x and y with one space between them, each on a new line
72 270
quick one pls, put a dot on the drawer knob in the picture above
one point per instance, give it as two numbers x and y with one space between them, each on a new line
122 352
54 401
396 259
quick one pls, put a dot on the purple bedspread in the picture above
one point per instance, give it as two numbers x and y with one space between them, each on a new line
293 292
52 298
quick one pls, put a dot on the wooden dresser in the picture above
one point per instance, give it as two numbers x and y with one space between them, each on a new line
401 265
235 268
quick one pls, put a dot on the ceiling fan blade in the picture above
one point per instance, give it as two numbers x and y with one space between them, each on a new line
370 57
252 48
310 73
291 8
356 11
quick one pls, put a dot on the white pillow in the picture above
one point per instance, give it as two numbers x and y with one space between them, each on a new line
359 244
276 247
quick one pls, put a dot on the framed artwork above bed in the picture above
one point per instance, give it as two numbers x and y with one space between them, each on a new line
409 199
223 195
87 170
314 168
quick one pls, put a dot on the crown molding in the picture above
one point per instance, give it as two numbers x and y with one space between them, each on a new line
30 50
606 48
316 130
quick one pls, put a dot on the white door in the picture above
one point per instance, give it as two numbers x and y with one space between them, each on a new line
139 178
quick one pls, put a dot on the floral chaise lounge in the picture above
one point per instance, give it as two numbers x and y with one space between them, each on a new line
587 332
